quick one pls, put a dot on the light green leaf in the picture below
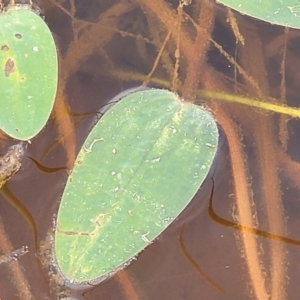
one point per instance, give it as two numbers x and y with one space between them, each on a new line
28 73
280 12
137 170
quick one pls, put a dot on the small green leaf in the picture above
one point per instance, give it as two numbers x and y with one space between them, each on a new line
280 12
28 73
137 170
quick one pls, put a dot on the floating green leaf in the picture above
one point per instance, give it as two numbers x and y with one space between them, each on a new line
28 73
280 12
137 170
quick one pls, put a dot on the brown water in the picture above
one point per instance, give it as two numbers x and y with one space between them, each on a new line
238 239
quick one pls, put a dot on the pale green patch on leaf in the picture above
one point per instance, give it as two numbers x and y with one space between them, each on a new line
138 169
280 12
28 73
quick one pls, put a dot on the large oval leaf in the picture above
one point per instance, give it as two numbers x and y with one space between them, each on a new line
28 73
280 12
138 169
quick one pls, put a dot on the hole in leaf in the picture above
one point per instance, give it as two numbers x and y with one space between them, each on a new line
4 48
9 67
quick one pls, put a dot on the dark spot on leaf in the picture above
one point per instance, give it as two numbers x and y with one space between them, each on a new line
18 36
4 48
9 67
22 79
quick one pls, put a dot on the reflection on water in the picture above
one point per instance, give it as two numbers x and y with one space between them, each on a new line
238 239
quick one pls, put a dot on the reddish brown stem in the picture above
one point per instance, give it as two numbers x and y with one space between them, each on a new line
206 22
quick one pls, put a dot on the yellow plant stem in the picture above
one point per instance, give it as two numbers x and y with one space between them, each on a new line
293 112
272 107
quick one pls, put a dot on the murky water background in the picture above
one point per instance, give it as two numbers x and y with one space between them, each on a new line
107 47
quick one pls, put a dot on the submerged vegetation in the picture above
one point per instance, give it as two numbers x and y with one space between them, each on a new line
245 72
